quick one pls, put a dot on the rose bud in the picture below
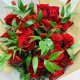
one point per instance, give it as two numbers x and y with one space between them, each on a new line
43 35
58 73
16 60
13 2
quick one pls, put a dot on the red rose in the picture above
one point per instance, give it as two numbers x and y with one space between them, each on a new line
43 35
54 11
8 19
35 26
67 25
51 78
40 63
68 40
6 35
13 2
26 18
54 14
58 26
46 23
17 19
16 60
24 39
44 9
68 1
57 40
60 57
9 51
47 55
58 73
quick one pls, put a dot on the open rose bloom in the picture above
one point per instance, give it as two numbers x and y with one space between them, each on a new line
41 41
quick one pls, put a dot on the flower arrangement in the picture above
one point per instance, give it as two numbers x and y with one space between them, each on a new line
37 41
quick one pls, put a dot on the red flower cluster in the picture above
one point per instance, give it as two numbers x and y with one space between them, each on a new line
29 29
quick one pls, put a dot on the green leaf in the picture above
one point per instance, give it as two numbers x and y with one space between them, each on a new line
58 31
54 55
62 11
28 60
6 56
68 8
49 43
11 7
7 26
44 48
17 12
4 59
12 34
20 5
75 46
23 75
29 23
27 13
4 39
51 67
14 23
50 32
45 52
7 43
35 38
12 48
66 19
38 31
70 52
39 18
35 63
30 6
52 23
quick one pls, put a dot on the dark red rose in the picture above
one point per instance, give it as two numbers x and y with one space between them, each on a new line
67 25
68 40
58 26
51 78
35 26
44 9
69 62
31 72
54 14
24 39
54 11
9 51
40 63
8 19
16 60
57 40
68 1
58 73
46 23
6 35
60 57
26 18
47 55
13 2
43 35
17 19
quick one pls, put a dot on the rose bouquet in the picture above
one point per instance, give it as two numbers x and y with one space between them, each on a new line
38 45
